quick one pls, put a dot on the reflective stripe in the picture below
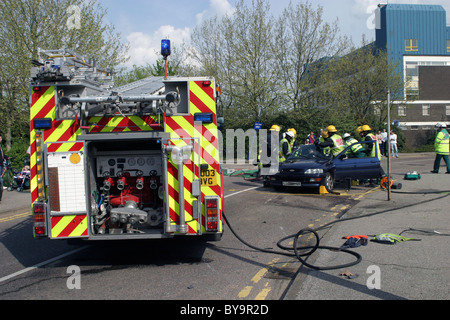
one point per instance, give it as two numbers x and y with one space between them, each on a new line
69 226
441 143
206 147
283 156
338 144
354 148
375 150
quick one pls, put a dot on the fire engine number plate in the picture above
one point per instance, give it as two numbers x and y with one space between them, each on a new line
208 177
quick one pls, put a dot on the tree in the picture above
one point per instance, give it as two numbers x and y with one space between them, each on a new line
174 67
301 38
237 50
352 87
27 25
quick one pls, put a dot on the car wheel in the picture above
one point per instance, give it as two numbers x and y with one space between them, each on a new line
329 182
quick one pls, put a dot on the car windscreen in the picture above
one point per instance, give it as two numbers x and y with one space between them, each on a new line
308 151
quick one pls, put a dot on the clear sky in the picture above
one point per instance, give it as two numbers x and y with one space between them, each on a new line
143 23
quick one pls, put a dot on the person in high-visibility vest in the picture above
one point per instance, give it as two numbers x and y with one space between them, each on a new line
294 143
285 146
323 136
334 141
441 147
372 149
356 149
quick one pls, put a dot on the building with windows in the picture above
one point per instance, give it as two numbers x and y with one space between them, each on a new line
417 40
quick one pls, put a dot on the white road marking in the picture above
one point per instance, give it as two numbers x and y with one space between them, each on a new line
18 273
235 193
41 264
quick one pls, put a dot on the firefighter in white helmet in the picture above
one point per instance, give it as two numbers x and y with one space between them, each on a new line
356 149
285 146
294 143
441 147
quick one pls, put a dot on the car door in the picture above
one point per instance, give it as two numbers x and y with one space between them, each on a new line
356 168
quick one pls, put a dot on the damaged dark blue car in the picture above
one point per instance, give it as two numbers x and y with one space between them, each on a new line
308 167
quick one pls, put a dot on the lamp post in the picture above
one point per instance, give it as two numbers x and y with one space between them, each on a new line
389 143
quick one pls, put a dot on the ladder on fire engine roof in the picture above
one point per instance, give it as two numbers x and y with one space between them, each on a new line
150 85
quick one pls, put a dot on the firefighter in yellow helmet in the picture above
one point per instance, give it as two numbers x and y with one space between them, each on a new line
334 141
373 148
323 136
359 130
275 127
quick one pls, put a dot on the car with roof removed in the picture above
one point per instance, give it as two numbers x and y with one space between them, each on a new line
308 167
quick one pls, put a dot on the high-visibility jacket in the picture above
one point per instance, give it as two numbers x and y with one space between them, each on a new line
355 148
441 143
325 150
338 144
376 147
283 156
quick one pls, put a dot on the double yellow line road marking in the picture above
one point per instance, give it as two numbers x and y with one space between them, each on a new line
16 216
262 295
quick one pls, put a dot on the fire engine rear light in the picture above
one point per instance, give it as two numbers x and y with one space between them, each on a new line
38 208
39 220
42 123
39 217
212 213
39 231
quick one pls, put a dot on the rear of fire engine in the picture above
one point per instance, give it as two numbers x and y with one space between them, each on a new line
139 161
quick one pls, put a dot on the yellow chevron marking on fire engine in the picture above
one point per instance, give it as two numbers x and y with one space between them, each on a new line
63 127
62 224
202 95
139 122
43 100
65 147
112 124
80 229
206 190
193 131
186 125
173 204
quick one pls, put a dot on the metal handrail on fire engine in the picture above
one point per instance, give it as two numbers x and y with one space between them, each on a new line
178 155
114 98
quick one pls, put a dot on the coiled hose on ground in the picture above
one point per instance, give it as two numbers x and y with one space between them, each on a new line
302 257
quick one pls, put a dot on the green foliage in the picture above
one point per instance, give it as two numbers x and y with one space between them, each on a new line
27 25
18 152
292 70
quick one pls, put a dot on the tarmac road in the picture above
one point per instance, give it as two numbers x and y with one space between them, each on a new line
225 270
